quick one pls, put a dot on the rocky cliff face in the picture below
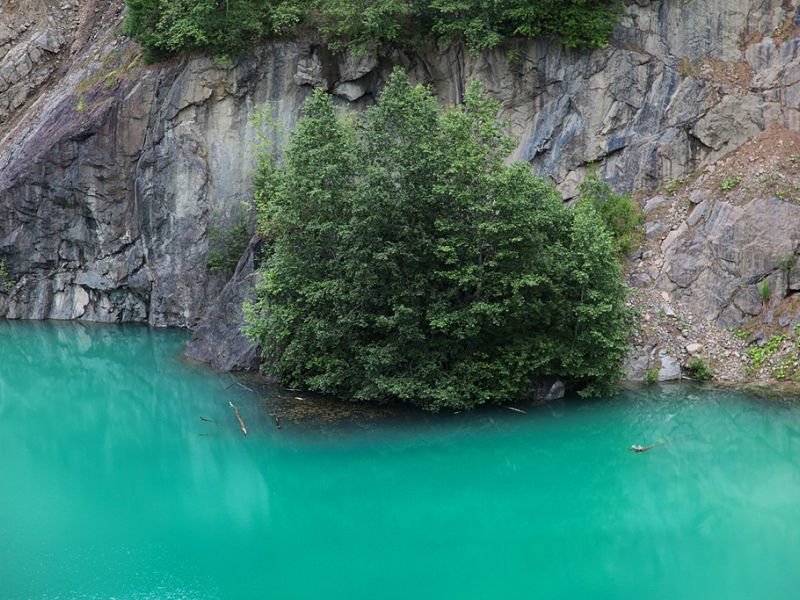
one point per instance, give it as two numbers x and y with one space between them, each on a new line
110 171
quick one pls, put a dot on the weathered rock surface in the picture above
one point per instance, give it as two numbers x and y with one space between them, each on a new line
218 339
717 267
111 223
670 369
110 171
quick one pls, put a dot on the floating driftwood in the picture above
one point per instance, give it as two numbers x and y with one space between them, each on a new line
519 410
241 385
239 417
639 449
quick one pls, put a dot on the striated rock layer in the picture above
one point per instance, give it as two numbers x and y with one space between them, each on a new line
110 171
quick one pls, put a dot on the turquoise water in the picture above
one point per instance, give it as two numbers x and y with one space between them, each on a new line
112 487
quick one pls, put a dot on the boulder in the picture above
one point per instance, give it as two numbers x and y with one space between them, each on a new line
654 203
670 369
694 348
549 389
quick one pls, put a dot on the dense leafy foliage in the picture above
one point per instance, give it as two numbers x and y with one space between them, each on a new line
622 217
165 27
410 262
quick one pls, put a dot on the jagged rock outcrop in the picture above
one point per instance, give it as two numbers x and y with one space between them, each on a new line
110 171
722 256
736 246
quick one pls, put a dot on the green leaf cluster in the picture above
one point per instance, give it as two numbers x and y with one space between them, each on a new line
224 27
622 217
227 27
699 370
410 262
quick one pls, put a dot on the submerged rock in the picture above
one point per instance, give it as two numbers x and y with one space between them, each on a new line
549 389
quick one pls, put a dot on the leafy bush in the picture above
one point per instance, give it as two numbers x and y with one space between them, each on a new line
409 262
227 27
622 217
698 370
651 377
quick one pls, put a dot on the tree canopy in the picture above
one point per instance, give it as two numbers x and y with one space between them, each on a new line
227 27
410 262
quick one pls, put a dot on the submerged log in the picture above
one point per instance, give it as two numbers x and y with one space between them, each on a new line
239 417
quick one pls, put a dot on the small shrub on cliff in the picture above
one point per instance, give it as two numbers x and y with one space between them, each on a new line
409 262
764 290
699 370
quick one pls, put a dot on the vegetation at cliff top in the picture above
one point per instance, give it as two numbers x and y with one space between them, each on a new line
409 262
228 27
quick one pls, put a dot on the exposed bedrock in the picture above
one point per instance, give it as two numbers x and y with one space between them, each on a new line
110 171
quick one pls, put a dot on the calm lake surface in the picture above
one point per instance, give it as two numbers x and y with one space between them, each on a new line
112 487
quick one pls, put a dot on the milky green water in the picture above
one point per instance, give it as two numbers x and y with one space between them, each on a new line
112 487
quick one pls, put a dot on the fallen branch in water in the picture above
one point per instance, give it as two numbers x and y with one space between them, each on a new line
639 449
519 410
239 417
241 385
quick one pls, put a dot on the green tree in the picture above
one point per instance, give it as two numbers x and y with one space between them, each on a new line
303 207
622 217
595 332
411 263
